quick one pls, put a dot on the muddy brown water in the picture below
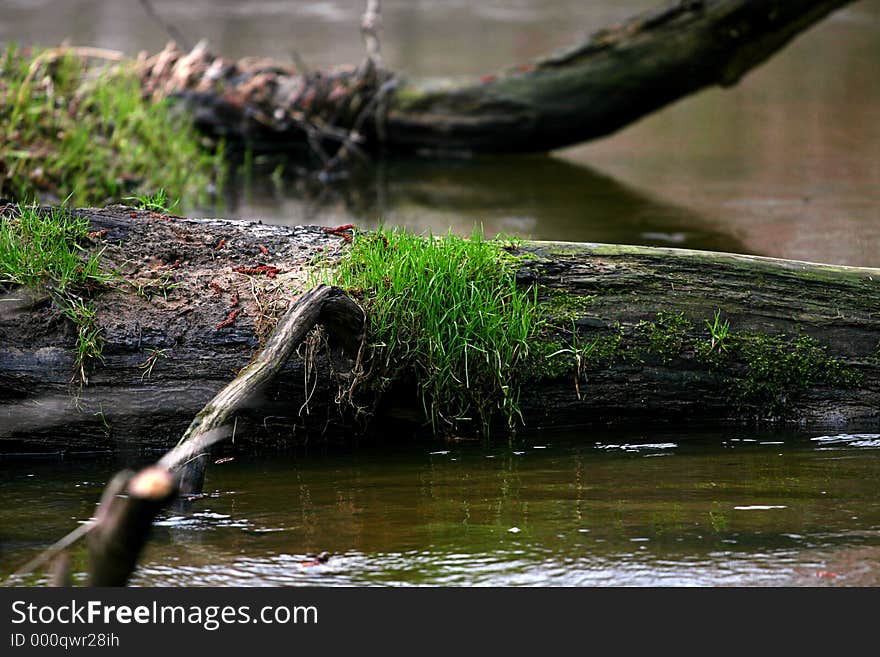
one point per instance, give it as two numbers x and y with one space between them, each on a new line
785 164
607 509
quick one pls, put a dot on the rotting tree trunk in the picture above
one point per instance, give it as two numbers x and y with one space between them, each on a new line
591 89
165 357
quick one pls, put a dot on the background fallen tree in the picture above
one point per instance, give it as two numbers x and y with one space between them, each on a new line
66 112
631 333
591 89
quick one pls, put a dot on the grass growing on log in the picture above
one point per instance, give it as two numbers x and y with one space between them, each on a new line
42 249
449 311
72 130
158 202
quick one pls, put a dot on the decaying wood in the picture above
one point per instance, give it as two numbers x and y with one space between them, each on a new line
164 356
122 525
627 285
324 305
614 288
589 90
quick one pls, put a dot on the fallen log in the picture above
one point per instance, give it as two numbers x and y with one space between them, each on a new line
591 89
630 339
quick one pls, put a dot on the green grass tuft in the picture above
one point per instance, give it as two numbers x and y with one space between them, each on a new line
447 310
74 131
41 249
158 202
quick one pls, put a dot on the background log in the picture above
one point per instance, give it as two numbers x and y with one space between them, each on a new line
605 290
589 90
598 86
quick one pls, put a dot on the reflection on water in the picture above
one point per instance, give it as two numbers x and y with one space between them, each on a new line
660 509
533 197
784 164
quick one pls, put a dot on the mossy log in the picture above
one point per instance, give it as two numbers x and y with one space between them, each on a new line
631 340
591 89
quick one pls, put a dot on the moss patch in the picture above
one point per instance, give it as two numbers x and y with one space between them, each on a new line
666 335
561 306
758 371
772 367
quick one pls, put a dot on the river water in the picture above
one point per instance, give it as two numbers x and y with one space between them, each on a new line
609 508
785 164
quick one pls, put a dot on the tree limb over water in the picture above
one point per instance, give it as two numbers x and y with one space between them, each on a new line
591 89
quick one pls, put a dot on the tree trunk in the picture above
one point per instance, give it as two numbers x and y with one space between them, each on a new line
593 88
643 310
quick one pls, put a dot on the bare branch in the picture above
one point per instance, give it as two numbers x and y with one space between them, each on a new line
370 25
172 31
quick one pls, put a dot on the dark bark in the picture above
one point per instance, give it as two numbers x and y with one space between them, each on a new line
164 357
593 88
631 287
124 406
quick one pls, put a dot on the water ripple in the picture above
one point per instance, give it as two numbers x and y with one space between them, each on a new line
864 440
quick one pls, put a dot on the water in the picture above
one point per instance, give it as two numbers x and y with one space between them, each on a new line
622 509
785 164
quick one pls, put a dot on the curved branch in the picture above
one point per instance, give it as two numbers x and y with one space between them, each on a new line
596 87
593 88
322 304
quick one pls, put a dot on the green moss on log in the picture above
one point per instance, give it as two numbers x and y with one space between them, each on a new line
757 371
